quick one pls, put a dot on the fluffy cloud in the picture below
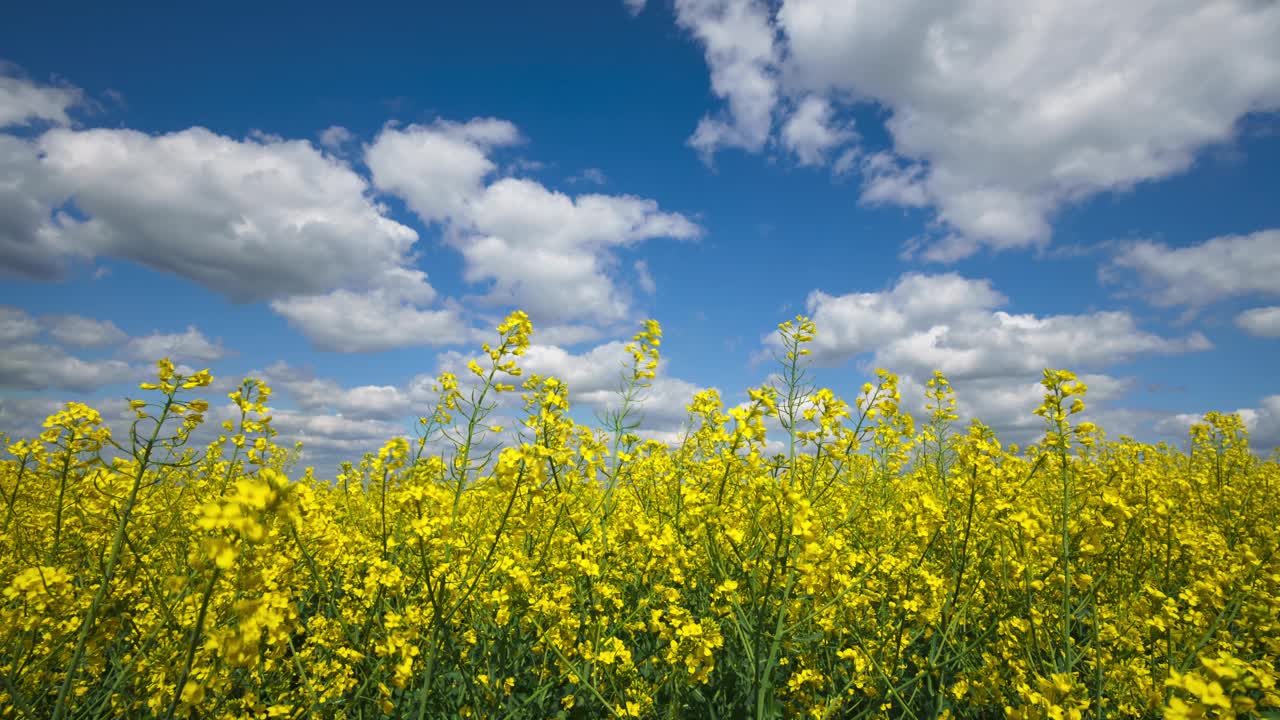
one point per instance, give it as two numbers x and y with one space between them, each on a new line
1001 113
1262 422
438 169
22 418
23 101
380 319
738 38
32 366
1227 266
538 249
189 345
311 394
644 278
328 440
948 322
16 324
80 331
811 131
31 242
593 378
993 358
335 136
251 219
277 220
594 176
1263 321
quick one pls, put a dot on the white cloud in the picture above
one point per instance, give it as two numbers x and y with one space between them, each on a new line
31 366
1263 321
950 323
548 253
335 136
189 345
811 131
328 440
251 219
22 418
16 324
738 39
593 378
438 169
541 250
598 369
23 101
995 359
885 179
313 394
1197 275
635 6
270 219
662 407
1262 422
258 219
1007 404
644 278
595 176
380 319
80 331
1011 110
31 242
567 334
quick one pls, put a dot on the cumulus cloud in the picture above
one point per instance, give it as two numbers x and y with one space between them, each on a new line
950 323
338 422
1007 404
328 440
886 179
189 345
1263 321
438 169
31 240
811 131
33 366
1002 113
1262 422
594 176
28 364
593 378
994 358
271 219
23 101
251 219
739 41
387 317
335 136
80 331
22 418
1197 275
538 249
644 278
16 324
313 394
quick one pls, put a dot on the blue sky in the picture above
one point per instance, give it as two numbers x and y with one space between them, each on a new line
346 201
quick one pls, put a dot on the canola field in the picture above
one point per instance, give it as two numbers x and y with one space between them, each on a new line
880 566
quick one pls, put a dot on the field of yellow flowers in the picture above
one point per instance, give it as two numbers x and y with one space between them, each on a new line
879 567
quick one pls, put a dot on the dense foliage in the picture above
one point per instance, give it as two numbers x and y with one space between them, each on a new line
876 568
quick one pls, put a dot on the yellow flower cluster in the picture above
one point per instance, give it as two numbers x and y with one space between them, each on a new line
873 569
